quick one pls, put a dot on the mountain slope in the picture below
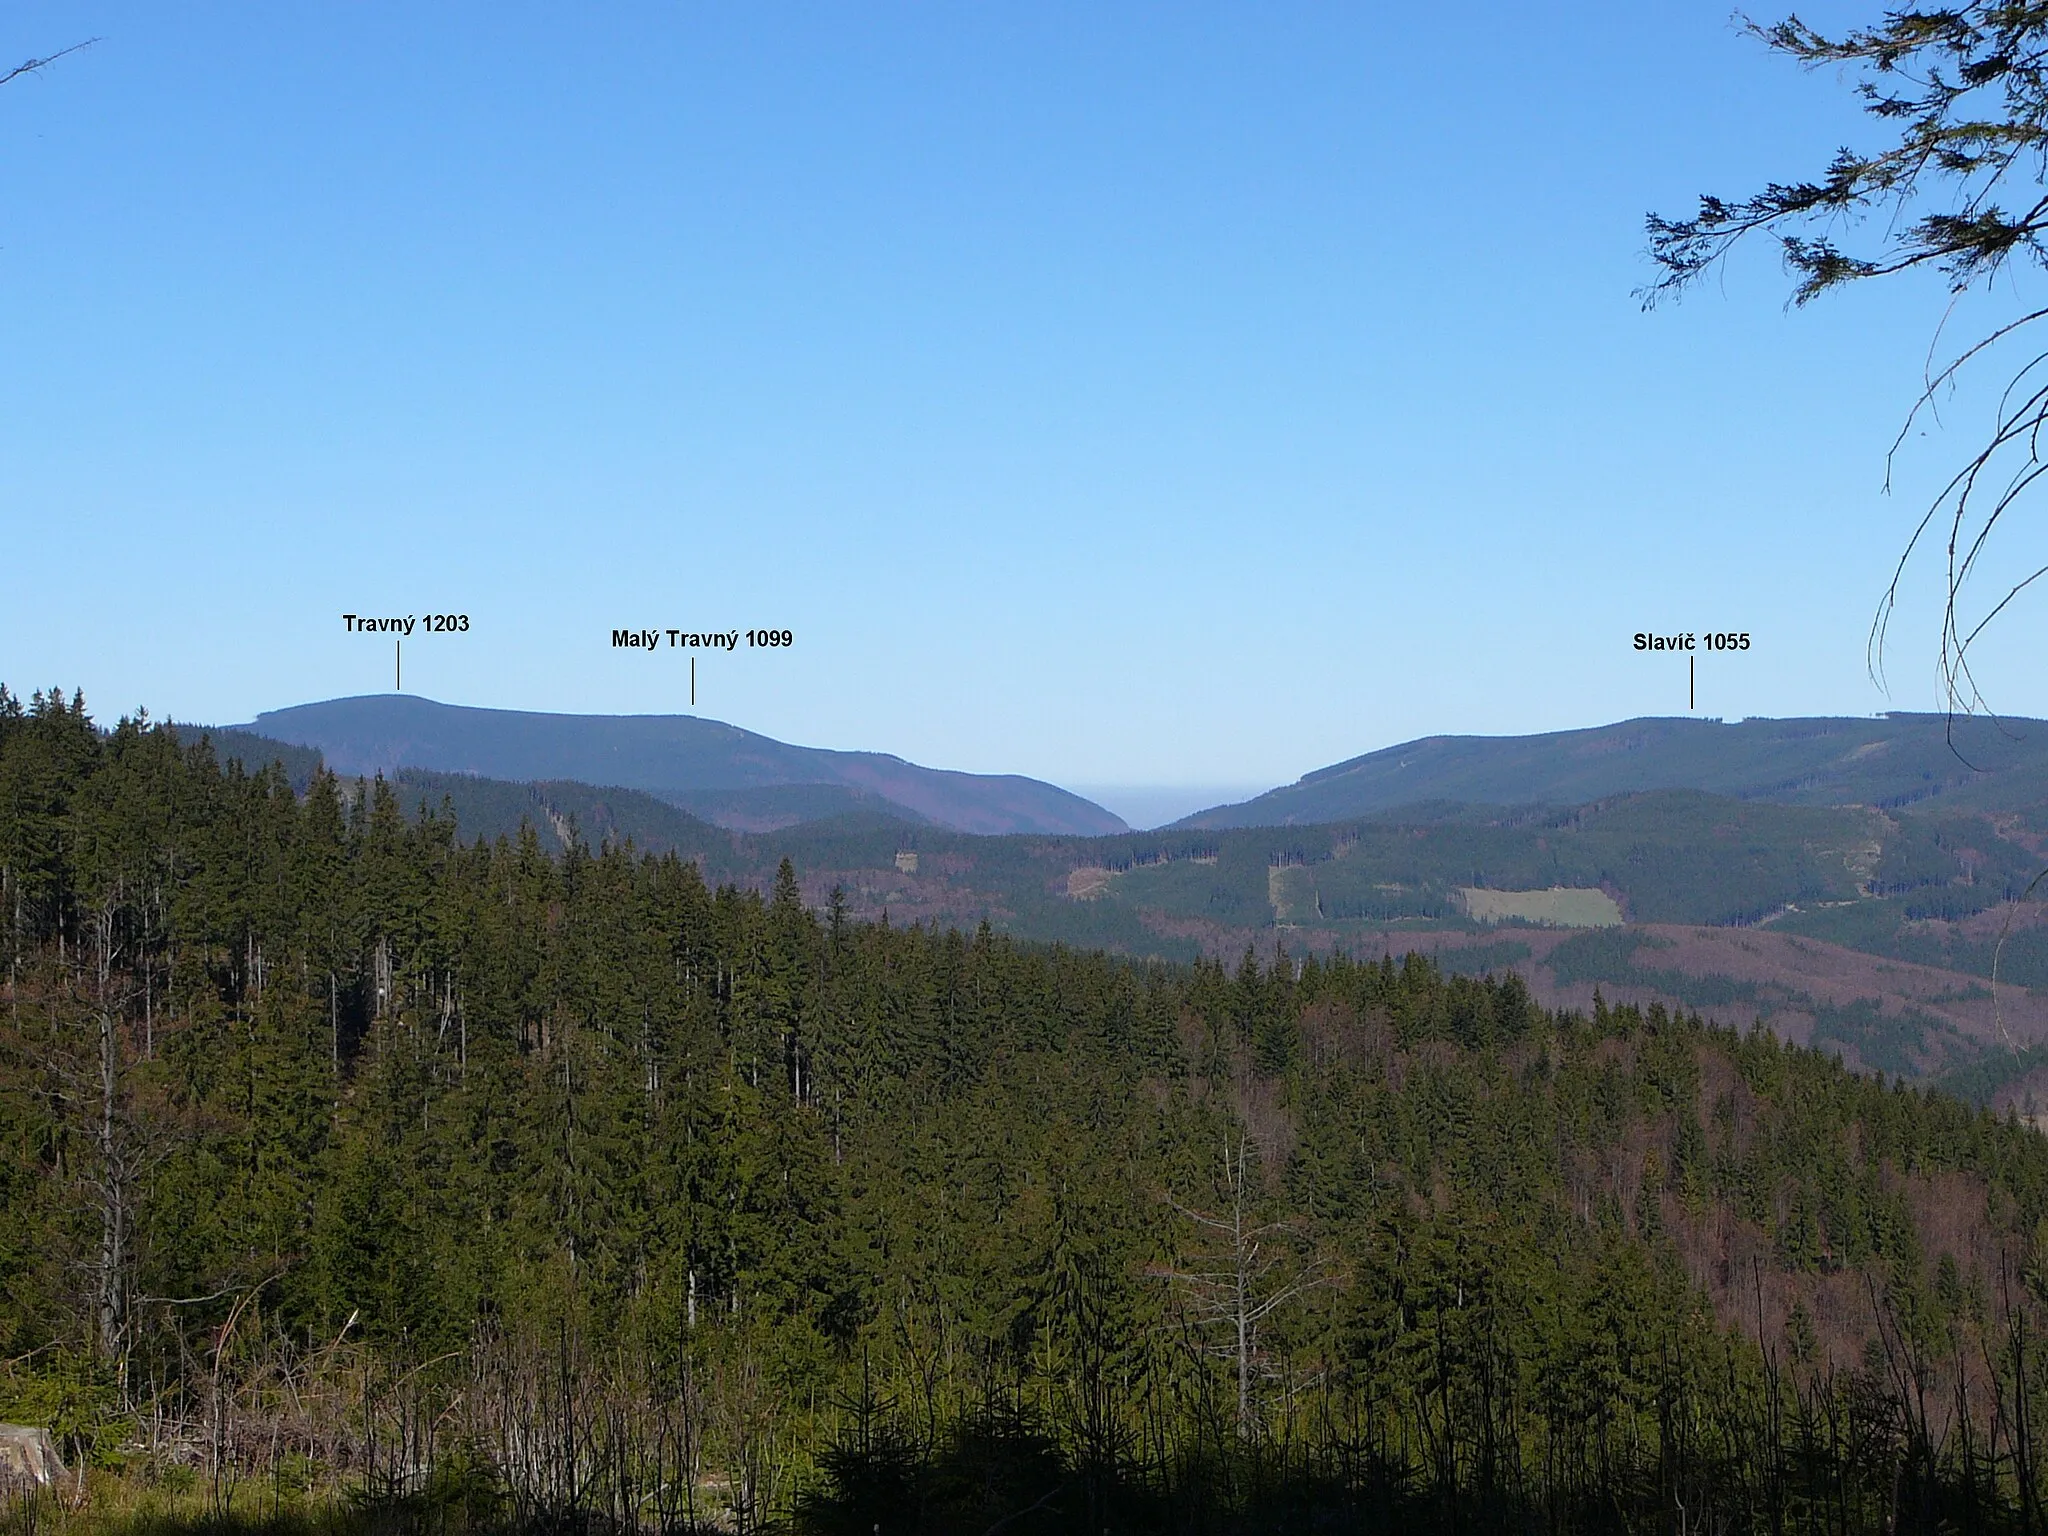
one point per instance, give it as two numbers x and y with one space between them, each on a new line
1868 934
1889 761
678 758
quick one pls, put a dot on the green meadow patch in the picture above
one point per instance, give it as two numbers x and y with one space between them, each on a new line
1558 907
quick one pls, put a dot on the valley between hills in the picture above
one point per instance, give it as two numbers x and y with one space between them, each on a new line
1851 884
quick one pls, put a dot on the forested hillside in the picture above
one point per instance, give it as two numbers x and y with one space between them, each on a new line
1935 884
1970 761
500 1185
1876 934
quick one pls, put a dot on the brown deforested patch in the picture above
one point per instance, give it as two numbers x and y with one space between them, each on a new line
1332 1034
1263 1112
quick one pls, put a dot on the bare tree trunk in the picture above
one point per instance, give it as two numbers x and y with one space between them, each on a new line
111 1300
381 972
1241 1288
113 1193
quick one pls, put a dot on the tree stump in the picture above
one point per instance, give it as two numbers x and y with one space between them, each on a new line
28 1459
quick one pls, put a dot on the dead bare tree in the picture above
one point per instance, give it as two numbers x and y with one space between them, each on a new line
1250 1273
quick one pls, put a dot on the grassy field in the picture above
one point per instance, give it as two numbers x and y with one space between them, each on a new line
1558 907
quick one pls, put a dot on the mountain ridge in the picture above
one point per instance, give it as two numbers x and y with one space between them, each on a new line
683 759
1884 761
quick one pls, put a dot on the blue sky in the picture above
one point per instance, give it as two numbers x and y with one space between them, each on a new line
1119 395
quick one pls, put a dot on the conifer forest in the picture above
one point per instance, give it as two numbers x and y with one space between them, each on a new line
357 1174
